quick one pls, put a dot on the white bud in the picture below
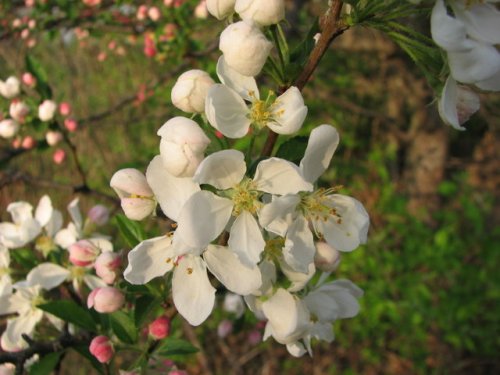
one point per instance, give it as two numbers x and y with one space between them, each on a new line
10 88
8 128
53 137
47 110
137 198
262 12
190 91
233 303
201 11
220 9
18 110
182 146
327 259
245 48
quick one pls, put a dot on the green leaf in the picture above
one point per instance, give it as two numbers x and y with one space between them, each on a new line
172 346
35 68
131 231
293 149
70 312
143 306
24 257
46 364
123 327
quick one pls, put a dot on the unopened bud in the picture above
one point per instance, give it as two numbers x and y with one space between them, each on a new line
190 91
8 128
101 348
53 137
83 253
59 156
106 266
64 108
105 300
18 110
10 88
99 214
224 328
327 259
70 124
29 79
159 328
137 198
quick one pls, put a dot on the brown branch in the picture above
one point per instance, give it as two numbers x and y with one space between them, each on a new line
331 27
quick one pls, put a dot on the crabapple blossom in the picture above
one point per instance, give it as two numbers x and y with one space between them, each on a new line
245 48
102 349
106 299
70 124
136 196
28 79
190 91
201 11
28 142
262 12
47 110
10 88
64 108
8 128
182 146
220 9
18 110
154 13
83 253
227 111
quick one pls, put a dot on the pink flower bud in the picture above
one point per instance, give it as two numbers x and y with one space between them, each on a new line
16 143
224 328
32 24
106 300
30 43
154 13
99 214
25 34
28 79
83 253
92 3
16 23
327 258
106 266
101 348
64 108
53 137
70 124
59 156
29 3
102 56
149 46
112 45
159 328
254 337
142 12
28 142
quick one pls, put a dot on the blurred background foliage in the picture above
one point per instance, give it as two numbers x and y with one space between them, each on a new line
430 270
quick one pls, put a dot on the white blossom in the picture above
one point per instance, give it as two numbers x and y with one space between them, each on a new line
10 88
220 9
262 12
47 110
8 128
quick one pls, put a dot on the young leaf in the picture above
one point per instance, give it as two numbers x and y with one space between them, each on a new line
46 364
42 87
293 150
143 306
172 346
131 231
70 312
123 327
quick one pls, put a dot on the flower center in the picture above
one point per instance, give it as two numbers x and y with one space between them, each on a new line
274 248
317 205
45 244
77 273
261 112
245 197
37 301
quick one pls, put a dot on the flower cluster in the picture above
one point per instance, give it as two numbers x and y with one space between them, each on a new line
262 232
468 32
74 254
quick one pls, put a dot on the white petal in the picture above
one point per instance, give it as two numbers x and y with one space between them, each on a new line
322 144
7 304
477 64
457 104
102 244
55 223
352 229
230 271
193 295
47 275
289 112
130 181
20 212
279 214
269 276
67 236
171 192
138 208
222 169
25 324
93 282
491 83
448 32
299 247
246 239
278 176
296 349
203 218
227 112
44 211
74 212
149 259
481 21
298 279
245 86
287 315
